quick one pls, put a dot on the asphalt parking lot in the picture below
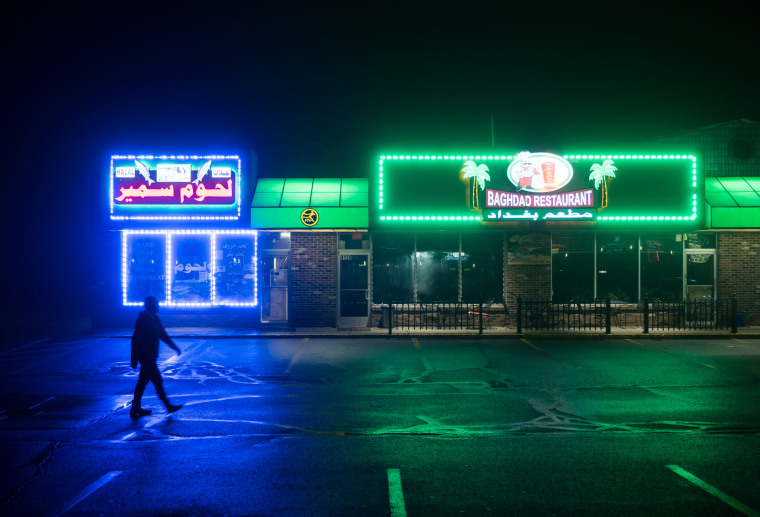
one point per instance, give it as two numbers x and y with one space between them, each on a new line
414 425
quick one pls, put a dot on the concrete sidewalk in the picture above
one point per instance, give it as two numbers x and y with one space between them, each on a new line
492 333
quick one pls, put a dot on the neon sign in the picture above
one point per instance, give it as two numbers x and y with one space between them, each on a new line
539 172
484 190
214 267
144 187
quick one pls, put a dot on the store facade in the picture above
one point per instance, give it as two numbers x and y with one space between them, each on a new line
180 232
539 225
679 221
488 227
314 251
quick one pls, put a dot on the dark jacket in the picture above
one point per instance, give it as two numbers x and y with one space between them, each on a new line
148 330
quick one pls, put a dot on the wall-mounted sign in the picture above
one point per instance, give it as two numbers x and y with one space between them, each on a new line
174 187
311 204
309 217
491 190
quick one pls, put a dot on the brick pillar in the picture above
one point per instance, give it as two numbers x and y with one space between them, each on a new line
313 290
738 267
531 281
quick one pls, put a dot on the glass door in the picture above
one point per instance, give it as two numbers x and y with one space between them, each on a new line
353 295
700 286
273 279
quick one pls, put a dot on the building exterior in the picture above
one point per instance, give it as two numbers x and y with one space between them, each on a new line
731 170
181 238
676 219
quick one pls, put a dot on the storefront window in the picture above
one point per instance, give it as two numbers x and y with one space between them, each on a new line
145 269
191 267
392 272
235 275
661 266
353 241
617 266
437 264
274 241
482 267
700 241
572 267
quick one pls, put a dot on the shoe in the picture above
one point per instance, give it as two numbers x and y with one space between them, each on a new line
171 408
138 412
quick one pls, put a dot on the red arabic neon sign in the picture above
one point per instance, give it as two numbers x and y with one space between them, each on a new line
169 187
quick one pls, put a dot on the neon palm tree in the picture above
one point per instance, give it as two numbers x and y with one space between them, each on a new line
600 173
479 174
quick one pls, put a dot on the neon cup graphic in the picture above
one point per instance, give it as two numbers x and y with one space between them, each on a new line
539 172
548 169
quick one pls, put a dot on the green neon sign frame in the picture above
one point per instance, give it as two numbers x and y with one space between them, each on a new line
647 189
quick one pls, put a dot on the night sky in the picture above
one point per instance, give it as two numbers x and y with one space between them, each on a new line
322 90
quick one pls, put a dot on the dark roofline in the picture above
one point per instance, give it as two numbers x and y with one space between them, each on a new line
712 126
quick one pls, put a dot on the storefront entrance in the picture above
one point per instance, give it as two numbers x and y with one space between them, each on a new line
700 275
353 295
274 272
700 285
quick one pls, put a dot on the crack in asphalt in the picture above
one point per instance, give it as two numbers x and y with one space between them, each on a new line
44 458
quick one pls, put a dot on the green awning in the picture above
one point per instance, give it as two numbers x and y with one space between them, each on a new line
734 201
310 203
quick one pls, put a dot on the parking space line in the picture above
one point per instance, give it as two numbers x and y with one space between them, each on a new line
396 493
743 508
24 346
547 354
40 403
655 349
298 354
71 503
425 362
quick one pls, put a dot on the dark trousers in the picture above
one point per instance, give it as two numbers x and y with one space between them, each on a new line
149 373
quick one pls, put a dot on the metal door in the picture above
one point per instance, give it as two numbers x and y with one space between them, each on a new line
353 292
700 286
273 279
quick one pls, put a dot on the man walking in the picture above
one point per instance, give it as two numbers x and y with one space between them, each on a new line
148 330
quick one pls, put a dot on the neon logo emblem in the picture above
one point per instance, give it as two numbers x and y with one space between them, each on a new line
147 187
539 172
309 217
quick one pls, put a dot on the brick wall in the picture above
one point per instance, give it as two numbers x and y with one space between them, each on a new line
739 271
531 281
313 290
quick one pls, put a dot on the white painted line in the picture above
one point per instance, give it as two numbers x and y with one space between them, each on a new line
547 354
71 503
40 403
396 493
298 354
428 366
24 346
743 508
127 437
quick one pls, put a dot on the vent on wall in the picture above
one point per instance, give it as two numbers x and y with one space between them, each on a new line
741 148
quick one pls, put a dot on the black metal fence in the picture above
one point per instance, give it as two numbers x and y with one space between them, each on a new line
443 315
545 315
690 315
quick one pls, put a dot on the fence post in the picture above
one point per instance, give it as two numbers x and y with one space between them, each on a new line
646 315
608 315
519 314
480 317
734 313
390 315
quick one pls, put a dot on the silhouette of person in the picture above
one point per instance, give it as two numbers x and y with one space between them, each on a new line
148 330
